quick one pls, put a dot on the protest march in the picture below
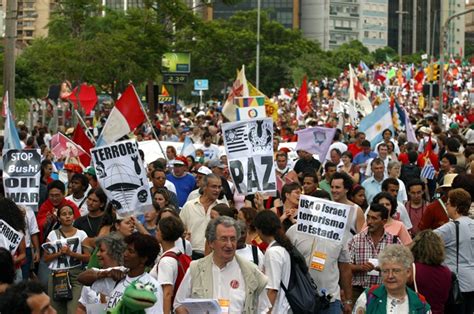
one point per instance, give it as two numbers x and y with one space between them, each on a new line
352 194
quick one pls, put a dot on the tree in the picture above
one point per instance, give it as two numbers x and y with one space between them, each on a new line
382 55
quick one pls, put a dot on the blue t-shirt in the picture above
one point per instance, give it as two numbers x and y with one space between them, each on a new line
184 185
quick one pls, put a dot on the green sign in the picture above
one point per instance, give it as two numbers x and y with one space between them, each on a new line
176 62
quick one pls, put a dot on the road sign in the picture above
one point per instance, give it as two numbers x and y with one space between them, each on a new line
201 84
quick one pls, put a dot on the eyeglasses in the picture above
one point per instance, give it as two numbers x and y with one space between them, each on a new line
395 271
227 239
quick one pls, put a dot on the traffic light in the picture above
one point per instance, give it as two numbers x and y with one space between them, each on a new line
435 72
429 73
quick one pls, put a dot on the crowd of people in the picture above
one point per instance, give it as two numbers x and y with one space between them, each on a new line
406 234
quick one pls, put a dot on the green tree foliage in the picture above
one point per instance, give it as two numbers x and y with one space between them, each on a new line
385 54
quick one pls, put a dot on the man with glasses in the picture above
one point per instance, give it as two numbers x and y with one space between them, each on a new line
158 179
196 213
234 281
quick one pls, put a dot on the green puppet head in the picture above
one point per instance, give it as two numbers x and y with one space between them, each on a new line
138 296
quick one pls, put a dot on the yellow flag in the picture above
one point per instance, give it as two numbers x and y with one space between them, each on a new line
421 102
271 107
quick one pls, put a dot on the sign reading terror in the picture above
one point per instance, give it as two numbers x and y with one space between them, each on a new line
121 174
249 147
9 237
63 261
321 218
21 176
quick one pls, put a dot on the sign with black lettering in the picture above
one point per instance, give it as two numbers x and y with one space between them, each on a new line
21 176
64 261
322 218
9 238
122 175
249 147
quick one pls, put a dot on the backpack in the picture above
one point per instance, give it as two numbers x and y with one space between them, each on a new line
302 293
183 265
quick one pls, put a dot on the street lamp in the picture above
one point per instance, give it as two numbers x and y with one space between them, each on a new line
442 41
257 68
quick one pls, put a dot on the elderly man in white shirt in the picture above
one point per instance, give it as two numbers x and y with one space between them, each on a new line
236 283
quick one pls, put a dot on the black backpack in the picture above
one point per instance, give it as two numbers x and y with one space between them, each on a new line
409 172
302 293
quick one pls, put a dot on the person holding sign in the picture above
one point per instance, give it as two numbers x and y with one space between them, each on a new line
63 251
290 195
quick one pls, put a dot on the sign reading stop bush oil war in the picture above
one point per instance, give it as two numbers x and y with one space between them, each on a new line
249 147
21 176
121 174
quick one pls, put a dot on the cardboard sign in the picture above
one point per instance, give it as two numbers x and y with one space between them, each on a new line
64 261
122 175
249 147
9 238
21 176
322 218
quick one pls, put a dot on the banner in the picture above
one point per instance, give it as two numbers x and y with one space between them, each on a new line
250 155
9 238
64 261
248 108
121 174
322 218
21 176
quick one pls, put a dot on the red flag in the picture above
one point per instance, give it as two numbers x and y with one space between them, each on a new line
80 138
87 97
302 100
420 76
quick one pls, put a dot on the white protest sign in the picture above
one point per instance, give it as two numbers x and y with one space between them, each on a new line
121 174
21 176
322 218
64 261
9 238
249 147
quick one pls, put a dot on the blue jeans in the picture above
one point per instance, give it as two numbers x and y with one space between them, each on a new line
334 308
25 268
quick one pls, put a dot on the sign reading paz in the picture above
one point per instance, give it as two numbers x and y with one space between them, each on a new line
21 176
321 218
121 174
64 261
249 147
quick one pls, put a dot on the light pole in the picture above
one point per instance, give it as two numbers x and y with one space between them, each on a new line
442 44
257 68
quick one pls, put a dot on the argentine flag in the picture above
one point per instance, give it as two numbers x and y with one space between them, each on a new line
377 121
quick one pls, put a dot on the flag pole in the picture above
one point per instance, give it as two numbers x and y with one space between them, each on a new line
151 125
91 137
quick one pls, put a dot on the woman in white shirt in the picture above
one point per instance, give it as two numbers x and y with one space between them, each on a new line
277 262
69 256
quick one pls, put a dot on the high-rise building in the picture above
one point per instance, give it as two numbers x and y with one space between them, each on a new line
334 22
456 28
122 4
284 11
469 22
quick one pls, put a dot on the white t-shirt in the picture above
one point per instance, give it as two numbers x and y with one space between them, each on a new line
109 287
166 269
31 225
247 254
81 235
91 301
277 267
228 284
83 210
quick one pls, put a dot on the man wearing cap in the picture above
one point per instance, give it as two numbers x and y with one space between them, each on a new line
436 213
182 180
217 168
90 174
200 174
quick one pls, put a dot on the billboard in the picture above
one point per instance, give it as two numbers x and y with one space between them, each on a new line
176 62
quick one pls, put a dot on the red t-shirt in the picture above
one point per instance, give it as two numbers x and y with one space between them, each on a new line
354 149
434 283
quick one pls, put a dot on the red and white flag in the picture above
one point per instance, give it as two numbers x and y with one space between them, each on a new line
357 94
239 89
80 138
124 117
